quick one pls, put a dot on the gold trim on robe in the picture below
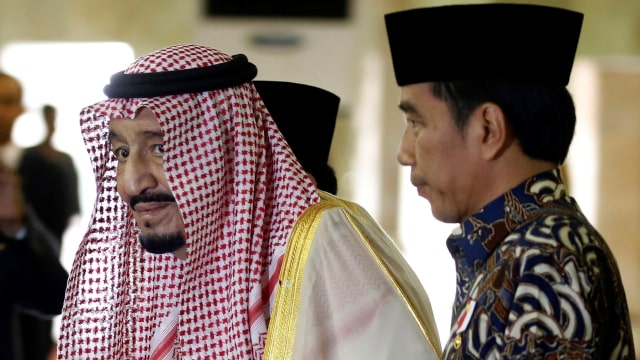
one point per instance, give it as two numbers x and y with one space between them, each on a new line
398 305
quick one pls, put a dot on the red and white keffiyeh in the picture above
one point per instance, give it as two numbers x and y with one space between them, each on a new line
240 190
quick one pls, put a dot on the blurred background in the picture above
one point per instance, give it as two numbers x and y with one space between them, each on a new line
64 52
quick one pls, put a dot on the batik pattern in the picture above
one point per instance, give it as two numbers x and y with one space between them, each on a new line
535 280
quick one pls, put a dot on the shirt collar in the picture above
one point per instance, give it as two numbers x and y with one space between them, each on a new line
482 232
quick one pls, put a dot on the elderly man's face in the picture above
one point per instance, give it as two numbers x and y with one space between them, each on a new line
137 145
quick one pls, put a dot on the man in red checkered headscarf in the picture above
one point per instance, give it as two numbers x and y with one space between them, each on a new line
241 257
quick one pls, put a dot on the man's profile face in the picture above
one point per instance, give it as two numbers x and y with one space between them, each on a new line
444 162
137 145
10 106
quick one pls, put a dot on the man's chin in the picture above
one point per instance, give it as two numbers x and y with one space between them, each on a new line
162 243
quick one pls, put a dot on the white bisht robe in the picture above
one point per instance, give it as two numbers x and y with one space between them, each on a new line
346 292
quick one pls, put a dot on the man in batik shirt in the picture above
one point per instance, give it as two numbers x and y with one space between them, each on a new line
489 122
241 256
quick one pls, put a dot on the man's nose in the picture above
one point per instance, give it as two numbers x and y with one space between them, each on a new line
136 176
405 154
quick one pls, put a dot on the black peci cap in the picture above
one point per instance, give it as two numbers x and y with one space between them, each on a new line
306 115
518 42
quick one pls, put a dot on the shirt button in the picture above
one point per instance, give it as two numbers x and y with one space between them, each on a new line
457 341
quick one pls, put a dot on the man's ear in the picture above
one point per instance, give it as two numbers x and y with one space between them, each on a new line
494 129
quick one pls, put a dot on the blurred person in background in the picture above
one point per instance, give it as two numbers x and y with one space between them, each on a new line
32 280
50 180
50 187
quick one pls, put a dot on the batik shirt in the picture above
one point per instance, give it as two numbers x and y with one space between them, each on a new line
535 280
